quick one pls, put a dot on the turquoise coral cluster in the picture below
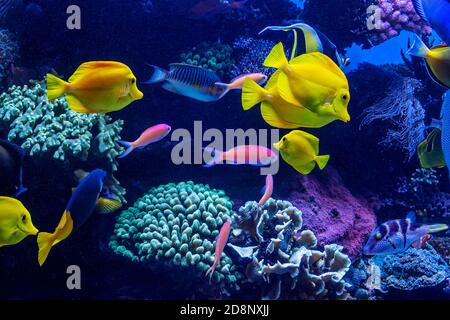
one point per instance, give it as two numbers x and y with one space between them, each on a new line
216 57
175 226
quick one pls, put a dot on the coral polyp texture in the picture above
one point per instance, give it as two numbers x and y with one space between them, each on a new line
284 261
395 16
173 227
51 128
251 54
216 57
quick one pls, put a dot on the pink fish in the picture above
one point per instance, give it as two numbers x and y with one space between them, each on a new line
251 155
268 189
152 134
221 241
238 82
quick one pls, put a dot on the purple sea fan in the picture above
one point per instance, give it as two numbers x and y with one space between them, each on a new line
252 53
401 107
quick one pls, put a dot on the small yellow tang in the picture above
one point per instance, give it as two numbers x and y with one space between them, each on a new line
15 222
430 151
300 150
310 80
96 87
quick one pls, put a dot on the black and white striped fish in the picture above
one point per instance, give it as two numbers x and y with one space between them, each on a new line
395 236
190 81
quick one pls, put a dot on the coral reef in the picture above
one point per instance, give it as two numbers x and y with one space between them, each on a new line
442 246
251 55
326 201
8 53
172 228
405 111
216 57
282 259
395 16
412 269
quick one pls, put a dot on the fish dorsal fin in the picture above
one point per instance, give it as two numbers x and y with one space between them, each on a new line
313 140
411 216
440 46
418 6
322 59
89 66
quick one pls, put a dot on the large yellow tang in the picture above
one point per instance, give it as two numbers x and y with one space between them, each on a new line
15 222
96 87
281 114
301 150
310 80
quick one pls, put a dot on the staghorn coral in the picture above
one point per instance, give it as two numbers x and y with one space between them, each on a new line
401 107
286 263
173 227
213 56
412 269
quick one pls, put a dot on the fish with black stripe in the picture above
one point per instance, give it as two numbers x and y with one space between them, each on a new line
190 81
395 236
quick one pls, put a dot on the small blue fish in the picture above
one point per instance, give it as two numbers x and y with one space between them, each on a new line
11 162
395 236
80 207
437 14
190 81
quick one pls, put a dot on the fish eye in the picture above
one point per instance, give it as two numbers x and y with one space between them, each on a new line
24 218
345 97
133 81
378 236
284 139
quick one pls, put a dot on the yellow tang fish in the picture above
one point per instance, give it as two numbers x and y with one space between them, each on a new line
15 222
301 151
437 58
310 80
96 87
430 151
281 114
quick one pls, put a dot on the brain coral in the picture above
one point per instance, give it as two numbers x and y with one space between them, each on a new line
174 226
284 260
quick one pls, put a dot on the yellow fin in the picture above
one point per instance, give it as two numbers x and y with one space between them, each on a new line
107 205
322 161
86 67
45 242
276 58
56 87
305 168
252 94
318 58
285 90
271 116
273 80
76 105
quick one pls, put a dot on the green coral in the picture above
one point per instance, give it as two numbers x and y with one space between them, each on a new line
212 56
174 226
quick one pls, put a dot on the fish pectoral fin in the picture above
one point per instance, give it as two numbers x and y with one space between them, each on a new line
107 205
76 105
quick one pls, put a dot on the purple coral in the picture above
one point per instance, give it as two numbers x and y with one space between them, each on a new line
397 15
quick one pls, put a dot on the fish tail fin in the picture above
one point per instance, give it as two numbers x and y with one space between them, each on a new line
158 75
276 58
45 242
215 156
418 48
322 161
252 94
56 87
129 147
210 272
433 228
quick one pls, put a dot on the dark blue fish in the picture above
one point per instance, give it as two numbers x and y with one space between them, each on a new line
396 236
190 81
80 207
11 162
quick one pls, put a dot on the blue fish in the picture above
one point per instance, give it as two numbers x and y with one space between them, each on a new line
444 125
437 14
190 81
396 236
80 207
11 163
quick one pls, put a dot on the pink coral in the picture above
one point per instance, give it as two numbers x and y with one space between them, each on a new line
331 211
397 15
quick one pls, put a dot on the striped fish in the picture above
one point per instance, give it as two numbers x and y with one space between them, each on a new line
396 236
190 81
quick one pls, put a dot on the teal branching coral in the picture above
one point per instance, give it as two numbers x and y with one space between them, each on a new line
174 226
287 263
52 128
213 56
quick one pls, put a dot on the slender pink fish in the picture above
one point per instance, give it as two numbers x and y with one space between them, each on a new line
221 241
251 155
268 189
238 82
152 134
